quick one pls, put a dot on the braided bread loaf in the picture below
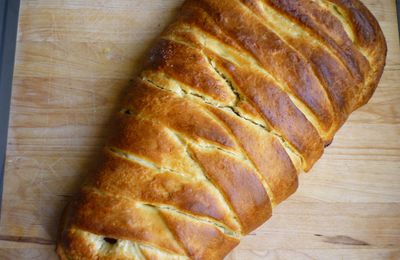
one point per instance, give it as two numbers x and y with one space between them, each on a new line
236 98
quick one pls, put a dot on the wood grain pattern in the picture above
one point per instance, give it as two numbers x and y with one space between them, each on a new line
73 60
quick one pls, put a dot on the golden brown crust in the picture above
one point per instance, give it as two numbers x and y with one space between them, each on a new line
263 149
236 98
268 49
170 110
370 39
240 185
192 236
101 213
160 187
322 24
179 61
272 103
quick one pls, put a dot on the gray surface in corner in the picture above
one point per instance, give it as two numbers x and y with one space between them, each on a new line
9 12
398 15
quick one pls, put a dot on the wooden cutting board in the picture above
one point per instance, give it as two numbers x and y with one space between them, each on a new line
73 60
